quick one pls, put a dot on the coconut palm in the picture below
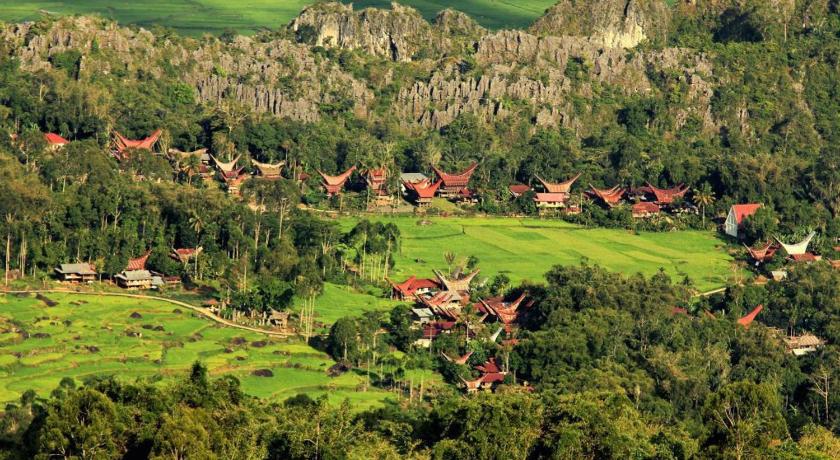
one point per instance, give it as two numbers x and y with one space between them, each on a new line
703 197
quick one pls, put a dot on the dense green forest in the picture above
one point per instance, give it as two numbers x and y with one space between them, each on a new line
737 99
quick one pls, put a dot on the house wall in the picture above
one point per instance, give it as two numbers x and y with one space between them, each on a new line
730 227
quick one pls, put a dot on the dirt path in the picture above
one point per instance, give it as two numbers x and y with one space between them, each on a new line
200 310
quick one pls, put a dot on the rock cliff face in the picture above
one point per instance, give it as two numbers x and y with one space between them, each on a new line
278 76
396 34
449 67
524 67
608 23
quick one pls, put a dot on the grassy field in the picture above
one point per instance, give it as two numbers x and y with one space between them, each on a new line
338 301
86 335
525 249
195 17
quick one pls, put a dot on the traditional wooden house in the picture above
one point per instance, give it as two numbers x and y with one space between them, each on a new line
270 171
76 273
184 255
460 284
234 180
423 315
412 287
54 141
227 167
736 216
750 317
644 210
550 201
454 184
334 184
507 313
799 249
462 360
376 180
138 263
803 344
518 190
134 279
564 188
422 192
667 196
762 254
610 197
433 329
121 144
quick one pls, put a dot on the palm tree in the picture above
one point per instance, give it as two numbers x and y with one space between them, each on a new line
197 224
703 197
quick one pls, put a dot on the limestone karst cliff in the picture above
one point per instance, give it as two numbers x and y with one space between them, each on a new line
395 65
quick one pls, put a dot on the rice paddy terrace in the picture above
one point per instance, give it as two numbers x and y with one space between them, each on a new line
195 17
46 338
525 249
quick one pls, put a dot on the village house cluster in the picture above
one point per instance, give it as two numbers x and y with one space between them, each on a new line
444 305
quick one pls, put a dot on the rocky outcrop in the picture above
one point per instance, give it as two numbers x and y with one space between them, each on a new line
276 76
607 23
397 34
523 67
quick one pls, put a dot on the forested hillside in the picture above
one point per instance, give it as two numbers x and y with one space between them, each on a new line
108 137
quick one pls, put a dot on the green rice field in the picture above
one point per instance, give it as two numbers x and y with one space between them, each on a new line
524 249
92 335
195 17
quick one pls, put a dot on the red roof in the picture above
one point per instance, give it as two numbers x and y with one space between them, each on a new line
747 320
493 377
333 184
744 210
518 189
667 196
139 263
376 178
678 311
763 254
55 139
610 196
807 257
121 143
489 367
456 180
550 197
432 330
424 188
413 284
645 207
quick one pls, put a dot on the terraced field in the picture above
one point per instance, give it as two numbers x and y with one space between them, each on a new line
195 17
525 249
87 335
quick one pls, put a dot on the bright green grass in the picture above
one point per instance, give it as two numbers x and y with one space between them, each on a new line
340 301
40 363
195 17
525 249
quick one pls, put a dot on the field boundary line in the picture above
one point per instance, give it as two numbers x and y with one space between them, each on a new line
179 303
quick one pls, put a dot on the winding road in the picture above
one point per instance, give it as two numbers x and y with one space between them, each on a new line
202 311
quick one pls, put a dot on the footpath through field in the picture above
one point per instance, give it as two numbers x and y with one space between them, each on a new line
200 310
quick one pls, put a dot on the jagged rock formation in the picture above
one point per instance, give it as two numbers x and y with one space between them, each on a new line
467 69
525 67
278 76
608 23
397 33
